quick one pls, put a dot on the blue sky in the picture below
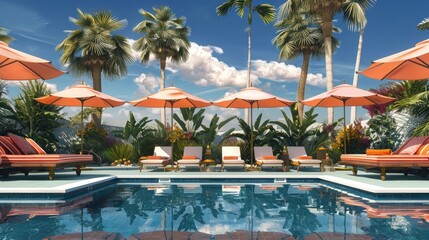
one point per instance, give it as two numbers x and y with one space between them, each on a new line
217 64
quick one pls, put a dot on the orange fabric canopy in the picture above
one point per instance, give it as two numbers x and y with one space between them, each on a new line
171 97
252 95
346 95
16 66
411 64
81 95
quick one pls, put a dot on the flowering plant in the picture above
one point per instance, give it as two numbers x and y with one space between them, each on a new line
357 141
175 133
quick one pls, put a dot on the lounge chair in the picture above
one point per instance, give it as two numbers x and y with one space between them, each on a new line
24 155
299 158
264 158
161 158
231 156
411 154
192 156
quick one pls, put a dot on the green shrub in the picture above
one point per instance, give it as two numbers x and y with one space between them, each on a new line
120 152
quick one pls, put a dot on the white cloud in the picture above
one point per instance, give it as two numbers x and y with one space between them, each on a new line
147 84
282 72
205 69
52 87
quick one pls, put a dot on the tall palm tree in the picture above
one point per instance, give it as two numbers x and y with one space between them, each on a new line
301 35
93 50
4 37
356 75
265 11
165 37
353 14
423 25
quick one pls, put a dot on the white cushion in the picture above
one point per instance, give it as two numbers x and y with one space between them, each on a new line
153 161
187 161
272 161
233 161
307 161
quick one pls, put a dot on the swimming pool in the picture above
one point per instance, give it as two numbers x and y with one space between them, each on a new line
215 211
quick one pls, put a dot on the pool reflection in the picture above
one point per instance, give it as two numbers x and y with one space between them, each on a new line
192 211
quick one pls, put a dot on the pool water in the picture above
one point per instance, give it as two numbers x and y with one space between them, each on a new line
192 211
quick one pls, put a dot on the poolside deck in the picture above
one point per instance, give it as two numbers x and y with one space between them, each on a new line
66 180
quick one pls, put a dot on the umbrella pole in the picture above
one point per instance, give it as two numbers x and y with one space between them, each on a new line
251 133
81 127
345 129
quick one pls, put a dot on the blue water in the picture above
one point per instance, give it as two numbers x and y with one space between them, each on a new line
193 211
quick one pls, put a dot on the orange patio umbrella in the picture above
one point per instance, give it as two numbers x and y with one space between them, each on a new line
171 97
346 95
16 66
410 64
252 97
81 96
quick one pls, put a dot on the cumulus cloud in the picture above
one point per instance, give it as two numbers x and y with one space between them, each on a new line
50 86
282 72
147 84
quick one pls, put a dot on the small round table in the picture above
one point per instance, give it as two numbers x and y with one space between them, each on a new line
208 162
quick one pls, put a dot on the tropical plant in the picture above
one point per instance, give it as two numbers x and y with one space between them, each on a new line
259 129
357 140
136 133
93 50
95 138
5 110
423 25
265 11
301 34
165 37
35 120
293 133
4 37
190 121
208 135
382 132
121 154
353 14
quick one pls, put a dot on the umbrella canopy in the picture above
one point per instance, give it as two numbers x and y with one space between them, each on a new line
252 97
411 64
80 96
17 66
346 95
172 97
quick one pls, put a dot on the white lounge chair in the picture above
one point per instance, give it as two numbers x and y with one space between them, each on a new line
192 156
161 157
231 156
297 155
264 158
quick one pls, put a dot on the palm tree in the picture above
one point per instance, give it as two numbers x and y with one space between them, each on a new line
4 37
301 35
92 49
356 75
423 25
353 14
265 11
164 36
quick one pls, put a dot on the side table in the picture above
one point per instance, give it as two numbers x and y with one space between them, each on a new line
207 162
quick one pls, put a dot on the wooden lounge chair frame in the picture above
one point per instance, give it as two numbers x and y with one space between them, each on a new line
232 151
295 152
262 151
196 151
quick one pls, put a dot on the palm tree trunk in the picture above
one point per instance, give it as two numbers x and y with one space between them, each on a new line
329 73
356 75
249 34
96 82
163 62
301 84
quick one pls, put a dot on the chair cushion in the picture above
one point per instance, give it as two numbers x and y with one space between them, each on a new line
411 146
7 144
153 161
307 161
2 151
156 158
304 157
233 162
22 144
189 157
230 158
423 149
378 152
269 157
36 147
271 161
192 161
